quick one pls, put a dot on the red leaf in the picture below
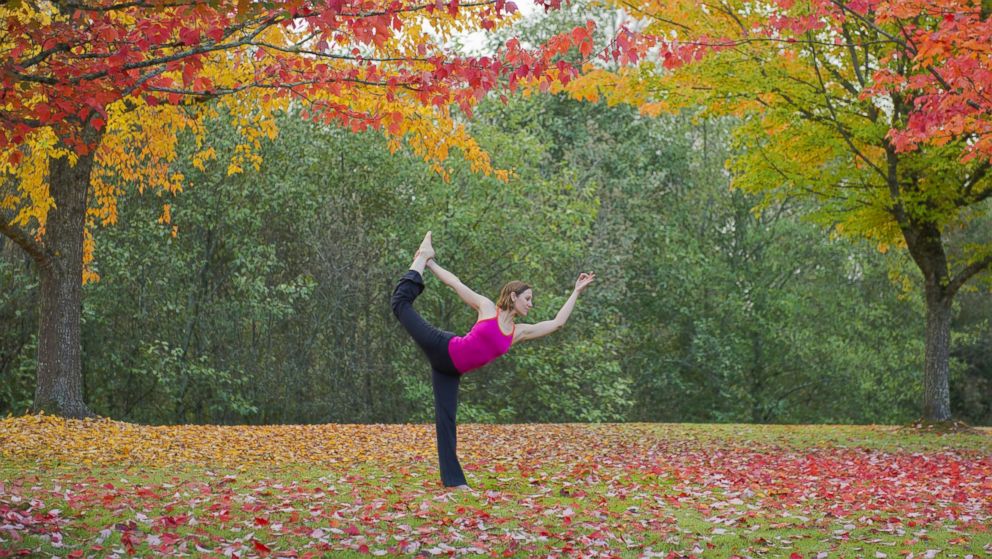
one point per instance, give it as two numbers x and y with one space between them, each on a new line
108 33
579 34
189 36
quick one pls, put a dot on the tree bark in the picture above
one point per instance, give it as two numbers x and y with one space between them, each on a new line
926 246
936 367
59 389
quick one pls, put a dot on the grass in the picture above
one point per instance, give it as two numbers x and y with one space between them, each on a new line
803 437
628 491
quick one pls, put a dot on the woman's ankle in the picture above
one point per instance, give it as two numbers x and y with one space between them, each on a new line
419 263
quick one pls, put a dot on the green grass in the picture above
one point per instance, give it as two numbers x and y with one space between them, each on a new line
802 437
566 507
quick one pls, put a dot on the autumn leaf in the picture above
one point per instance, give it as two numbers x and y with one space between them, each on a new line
564 490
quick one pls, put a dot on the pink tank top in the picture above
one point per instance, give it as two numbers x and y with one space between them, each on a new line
483 343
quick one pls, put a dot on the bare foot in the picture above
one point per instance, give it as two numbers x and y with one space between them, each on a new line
426 249
423 254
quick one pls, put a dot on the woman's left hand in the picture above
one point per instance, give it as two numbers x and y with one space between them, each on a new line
584 280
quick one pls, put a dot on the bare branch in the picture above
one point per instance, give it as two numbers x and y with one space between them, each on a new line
141 81
967 273
854 54
43 55
840 128
636 9
21 238
298 50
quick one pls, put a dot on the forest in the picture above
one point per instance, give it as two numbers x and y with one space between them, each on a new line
265 298
255 289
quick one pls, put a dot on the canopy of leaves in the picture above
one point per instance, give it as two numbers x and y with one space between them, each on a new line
105 76
838 102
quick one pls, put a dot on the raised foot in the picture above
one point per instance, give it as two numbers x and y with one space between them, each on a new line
426 249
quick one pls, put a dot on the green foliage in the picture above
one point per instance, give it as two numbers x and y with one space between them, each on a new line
18 329
740 315
270 305
534 228
971 373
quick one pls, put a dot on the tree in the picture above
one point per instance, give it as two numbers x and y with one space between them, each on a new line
271 304
84 83
878 111
738 316
275 293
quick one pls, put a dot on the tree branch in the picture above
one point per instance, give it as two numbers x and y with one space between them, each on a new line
871 24
905 44
21 238
854 55
247 40
290 85
974 179
844 82
43 55
636 9
413 9
202 49
142 4
984 195
840 128
126 5
298 50
142 80
967 273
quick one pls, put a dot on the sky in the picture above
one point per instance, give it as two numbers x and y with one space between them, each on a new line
475 41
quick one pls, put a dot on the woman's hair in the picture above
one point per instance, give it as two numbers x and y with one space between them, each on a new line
504 301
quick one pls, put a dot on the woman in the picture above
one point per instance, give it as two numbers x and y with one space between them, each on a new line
451 356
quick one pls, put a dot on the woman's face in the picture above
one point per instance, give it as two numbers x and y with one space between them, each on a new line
523 302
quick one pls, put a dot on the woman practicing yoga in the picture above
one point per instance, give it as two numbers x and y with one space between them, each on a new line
451 356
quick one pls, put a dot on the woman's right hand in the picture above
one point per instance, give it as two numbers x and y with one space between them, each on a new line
584 280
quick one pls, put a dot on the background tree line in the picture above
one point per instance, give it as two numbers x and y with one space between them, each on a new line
270 304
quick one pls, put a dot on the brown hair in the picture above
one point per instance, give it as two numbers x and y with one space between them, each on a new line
504 301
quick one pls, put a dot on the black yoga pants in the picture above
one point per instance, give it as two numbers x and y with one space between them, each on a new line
445 378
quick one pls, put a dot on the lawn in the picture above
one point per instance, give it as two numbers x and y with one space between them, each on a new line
103 489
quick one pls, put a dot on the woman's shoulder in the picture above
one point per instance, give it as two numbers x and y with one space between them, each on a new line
487 309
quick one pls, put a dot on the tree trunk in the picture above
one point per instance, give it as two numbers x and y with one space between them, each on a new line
926 246
936 368
59 389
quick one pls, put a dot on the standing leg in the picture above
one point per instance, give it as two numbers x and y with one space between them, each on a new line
445 408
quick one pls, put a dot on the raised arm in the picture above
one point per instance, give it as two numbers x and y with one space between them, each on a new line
526 332
473 299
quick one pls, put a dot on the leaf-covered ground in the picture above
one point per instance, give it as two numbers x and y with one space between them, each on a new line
108 489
